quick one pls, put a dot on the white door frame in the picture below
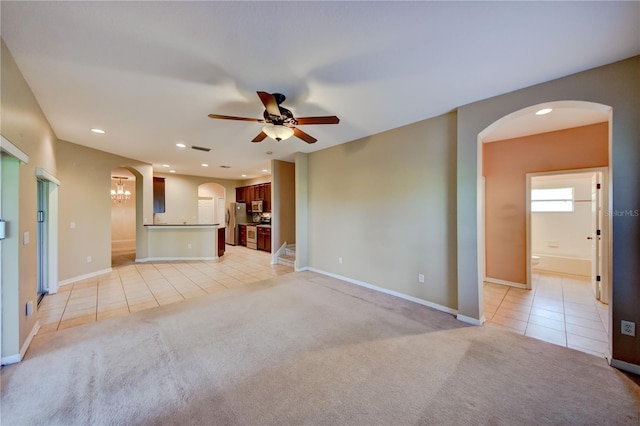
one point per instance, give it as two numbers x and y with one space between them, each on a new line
8 148
51 229
604 171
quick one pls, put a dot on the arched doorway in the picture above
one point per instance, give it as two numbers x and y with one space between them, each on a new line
509 151
211 204
123 217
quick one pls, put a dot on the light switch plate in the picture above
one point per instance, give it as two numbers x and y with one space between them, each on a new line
25 238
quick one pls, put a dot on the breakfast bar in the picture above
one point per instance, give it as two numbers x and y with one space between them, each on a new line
171 242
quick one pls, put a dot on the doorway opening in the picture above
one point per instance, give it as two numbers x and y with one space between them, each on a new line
577 135
123 217
211 204
566 230
47 234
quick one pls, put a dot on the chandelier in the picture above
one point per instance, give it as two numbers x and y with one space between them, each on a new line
120 195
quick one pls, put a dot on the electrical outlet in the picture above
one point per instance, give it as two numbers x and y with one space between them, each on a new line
189 245
340 260
421 278
89 259
628 328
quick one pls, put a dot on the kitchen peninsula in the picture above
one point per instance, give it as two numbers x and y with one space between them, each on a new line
169 242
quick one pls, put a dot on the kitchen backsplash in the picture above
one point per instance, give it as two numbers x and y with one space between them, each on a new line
261 217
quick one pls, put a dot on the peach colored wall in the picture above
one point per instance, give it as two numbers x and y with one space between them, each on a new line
505 165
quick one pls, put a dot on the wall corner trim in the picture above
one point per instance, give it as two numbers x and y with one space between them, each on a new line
45 175
84 277
386 291
626 366
469 320
13 359
13 150
505 282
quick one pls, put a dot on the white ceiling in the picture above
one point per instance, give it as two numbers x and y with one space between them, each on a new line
149 73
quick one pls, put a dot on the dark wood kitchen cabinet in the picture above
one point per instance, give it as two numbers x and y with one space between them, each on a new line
243 235
249 196
260 192
158 195
267 197
264 238
221 241
241 194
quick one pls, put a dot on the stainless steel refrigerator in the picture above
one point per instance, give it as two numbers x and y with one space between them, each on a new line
236 215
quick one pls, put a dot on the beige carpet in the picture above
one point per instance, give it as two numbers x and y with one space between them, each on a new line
307 349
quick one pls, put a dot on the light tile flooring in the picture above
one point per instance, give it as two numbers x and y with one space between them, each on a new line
134 287
560 309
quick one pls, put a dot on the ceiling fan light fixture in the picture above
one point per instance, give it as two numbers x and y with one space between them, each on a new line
277 132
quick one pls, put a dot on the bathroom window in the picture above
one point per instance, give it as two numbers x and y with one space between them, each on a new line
552 200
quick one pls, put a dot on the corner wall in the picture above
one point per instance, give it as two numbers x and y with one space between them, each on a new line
26 127
616 85
385 205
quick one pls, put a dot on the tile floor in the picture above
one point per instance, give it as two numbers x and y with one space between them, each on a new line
560 309
133 287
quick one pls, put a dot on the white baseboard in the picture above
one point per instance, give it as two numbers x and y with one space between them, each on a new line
13 359
84 277
626 366
383 290
470 320
505 282
172 259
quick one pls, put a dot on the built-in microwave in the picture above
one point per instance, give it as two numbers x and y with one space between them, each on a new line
256 206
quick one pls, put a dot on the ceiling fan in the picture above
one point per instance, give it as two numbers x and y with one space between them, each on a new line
280 122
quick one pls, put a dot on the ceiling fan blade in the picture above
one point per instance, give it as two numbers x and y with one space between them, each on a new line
304 136
260 137
231 117
270 103
328 119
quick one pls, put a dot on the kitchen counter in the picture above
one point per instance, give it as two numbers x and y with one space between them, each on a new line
181 241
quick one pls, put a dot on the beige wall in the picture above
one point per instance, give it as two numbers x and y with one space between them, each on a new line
181 196
386 205
283 225
256 181
506 164
85 183
25 126
616 85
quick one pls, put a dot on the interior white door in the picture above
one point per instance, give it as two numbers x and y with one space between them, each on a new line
205 210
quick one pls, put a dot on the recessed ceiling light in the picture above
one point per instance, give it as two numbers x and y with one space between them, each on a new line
166 165
172 171
98 131
244 175
265 170
204 165
544 111
181 145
